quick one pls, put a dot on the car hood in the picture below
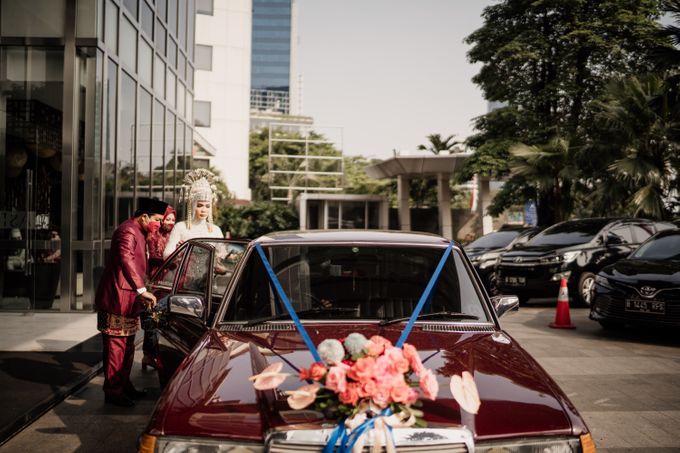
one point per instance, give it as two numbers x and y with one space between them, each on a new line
210 395
635 271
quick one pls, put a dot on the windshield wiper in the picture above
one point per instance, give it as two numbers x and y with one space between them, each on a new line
437 314
300 314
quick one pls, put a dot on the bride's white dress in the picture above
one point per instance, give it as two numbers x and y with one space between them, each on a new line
180 233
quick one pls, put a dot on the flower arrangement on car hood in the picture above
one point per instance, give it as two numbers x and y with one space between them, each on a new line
370 384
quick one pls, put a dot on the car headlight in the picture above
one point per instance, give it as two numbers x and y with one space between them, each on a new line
488 260
534 445
152 444
568 257
602 281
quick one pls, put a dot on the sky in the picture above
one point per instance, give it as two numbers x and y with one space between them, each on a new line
388 72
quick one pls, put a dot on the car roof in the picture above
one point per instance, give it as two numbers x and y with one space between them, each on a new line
377 236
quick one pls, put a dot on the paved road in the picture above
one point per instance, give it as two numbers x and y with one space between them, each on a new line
626 385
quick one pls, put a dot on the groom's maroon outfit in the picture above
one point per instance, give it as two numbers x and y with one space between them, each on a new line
116 300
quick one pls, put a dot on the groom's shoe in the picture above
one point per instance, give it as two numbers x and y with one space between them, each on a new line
135 394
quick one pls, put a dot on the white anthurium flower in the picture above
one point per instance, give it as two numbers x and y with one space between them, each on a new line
464 391
270 378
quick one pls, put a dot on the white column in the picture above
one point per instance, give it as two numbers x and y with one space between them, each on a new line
403 184
444 203
484 203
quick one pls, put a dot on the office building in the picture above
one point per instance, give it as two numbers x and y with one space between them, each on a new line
96 102
274 53
221 108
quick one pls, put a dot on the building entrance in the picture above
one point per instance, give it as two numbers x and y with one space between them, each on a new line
30 176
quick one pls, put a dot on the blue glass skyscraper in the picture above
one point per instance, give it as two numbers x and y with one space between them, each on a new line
271 55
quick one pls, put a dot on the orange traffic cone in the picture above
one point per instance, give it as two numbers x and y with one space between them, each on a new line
562 319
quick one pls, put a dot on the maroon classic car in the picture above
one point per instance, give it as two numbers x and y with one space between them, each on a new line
225 322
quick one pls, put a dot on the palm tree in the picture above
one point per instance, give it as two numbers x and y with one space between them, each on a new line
640 120
552 169
437 144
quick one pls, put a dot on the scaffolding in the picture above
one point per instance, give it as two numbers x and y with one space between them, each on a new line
304 161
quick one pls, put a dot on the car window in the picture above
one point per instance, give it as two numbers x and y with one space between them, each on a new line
661 248
624 233
642 232
226 258
196 271
569 233
166 276
353 282
495 240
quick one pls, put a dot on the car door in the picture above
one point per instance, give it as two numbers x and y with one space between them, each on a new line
193 274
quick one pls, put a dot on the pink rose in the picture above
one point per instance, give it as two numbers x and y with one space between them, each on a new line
350 395
411 354
397 360
367 388
383 372
400 392
363 369
381 397
302 397
336 379
429 384
380 344
317 371
373 349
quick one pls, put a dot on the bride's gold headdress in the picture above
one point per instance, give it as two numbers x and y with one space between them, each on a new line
200 185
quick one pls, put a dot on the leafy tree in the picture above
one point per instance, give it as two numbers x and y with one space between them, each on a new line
257 219
358 182
546 61
260 179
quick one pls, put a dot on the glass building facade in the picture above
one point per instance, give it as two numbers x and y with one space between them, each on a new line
271 55
96 104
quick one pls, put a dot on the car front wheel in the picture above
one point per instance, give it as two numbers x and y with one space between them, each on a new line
586 289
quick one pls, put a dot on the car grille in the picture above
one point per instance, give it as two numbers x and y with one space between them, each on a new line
280 447
456 328
524 261
264 327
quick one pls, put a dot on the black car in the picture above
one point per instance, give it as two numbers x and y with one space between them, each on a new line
643 289
485 251
575 250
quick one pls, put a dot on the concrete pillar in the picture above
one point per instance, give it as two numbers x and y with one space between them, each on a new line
444 204
484 203
403 185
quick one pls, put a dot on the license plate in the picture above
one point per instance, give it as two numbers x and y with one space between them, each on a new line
515 281
646 306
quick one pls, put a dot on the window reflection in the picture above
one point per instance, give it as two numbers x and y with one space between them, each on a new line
110 149
125 163
157 161
144 144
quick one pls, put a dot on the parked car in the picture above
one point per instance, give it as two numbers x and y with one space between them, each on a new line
643 289
341 282
485 251
576 250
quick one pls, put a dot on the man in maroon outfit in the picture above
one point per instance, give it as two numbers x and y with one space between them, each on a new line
120 298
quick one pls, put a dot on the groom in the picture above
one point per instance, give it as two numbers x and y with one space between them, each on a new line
121 296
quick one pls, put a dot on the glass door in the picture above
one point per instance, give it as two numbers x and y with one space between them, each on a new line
31 92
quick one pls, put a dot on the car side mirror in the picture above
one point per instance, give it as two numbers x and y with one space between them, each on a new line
613 239
504 304
185 304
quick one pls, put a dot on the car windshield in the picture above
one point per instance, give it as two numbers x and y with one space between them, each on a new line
495 240
661 248
569 233
353 282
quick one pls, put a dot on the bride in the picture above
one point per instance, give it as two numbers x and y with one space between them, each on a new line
199 192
